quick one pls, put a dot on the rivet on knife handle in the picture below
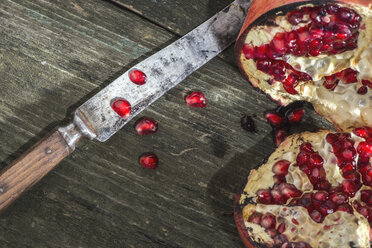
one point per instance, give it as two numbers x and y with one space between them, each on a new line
96 119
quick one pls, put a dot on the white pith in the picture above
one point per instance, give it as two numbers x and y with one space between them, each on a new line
353 228
343 106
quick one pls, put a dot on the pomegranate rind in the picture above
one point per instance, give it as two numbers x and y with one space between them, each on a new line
259 14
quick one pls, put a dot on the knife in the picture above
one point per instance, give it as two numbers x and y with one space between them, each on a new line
96 119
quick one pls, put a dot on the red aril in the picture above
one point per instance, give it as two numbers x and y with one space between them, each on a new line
306 147
296 116
275 119
196 100
320 196
361 132
364 149
362 90
280 168
316 160
122 108
345 207
280 136
264 196
146 126
255 218
316 216
281 228
149 161
137 77
268 221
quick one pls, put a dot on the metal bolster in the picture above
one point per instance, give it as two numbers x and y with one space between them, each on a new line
79 128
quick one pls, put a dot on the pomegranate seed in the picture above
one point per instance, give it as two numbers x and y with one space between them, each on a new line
366 196
343 31
264 196
260 52
137 77
248 51
305 200
331 9
366 212
327 207
280 136
350 76
315 46
255 218
149 161
122 107
348 15
348 154
302 158
316 160
278 43
247 124
338 198
361 132
275 119
296 116
278 70
320 196
277 196
345 207
306 147
295 17
362 90
316 33
290 191
289 88
367 83
331 85
272 232
364 149
146 126
280 168
268 221
349 187
294 221
323 185
196 100
291 41
316 216
279 179
263 65
281 228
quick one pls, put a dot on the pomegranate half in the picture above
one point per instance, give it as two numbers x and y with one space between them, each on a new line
315 51
315 190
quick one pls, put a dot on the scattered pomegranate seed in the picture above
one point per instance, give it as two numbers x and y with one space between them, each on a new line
296 116
247 124
196 100
122 107
149 161
275 119
137 77
146 126
280 168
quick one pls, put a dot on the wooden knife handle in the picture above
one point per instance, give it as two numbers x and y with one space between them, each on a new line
33 165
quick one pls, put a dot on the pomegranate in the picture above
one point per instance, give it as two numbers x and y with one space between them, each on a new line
311 51
315 190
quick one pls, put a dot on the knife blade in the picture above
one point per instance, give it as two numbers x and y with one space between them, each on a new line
95 119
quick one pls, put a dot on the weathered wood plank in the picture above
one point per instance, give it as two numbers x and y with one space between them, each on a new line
56 53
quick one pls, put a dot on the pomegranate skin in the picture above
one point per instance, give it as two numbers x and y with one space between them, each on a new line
260 13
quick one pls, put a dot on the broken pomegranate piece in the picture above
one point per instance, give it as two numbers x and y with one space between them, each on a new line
196 100
314 190
320 53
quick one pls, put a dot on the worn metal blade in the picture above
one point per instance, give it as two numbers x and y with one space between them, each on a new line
164 70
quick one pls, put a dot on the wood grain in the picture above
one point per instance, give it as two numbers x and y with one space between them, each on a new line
55 54
32 166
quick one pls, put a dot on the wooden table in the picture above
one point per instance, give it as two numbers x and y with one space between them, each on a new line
54 55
